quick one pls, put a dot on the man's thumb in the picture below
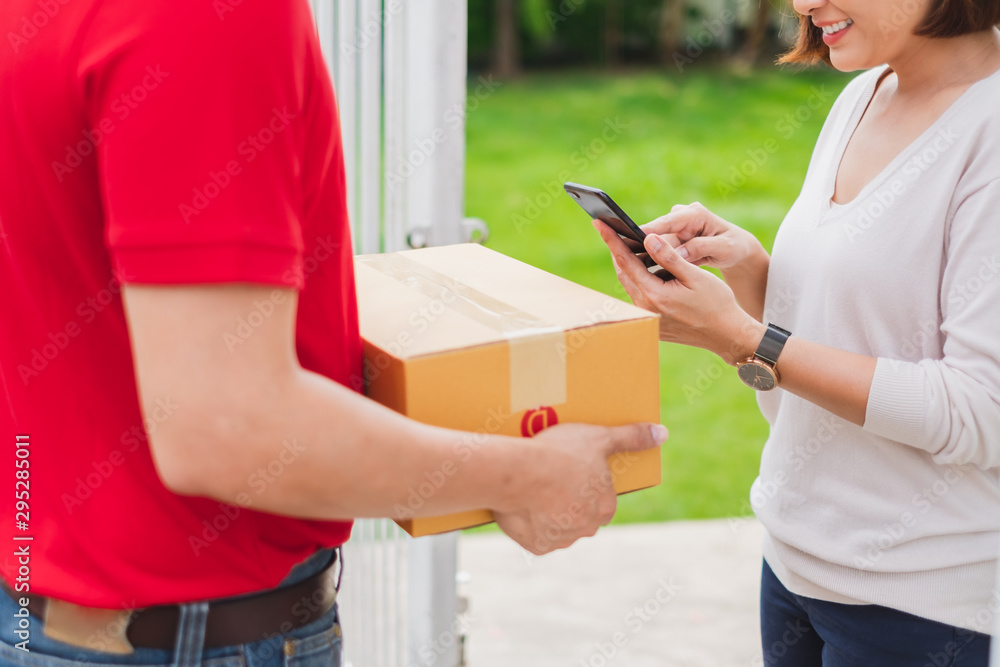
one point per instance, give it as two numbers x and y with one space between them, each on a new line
667 257
636 437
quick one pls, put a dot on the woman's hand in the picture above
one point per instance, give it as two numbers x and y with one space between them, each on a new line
696 309
705 239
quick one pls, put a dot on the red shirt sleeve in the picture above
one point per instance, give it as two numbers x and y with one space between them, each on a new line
200 109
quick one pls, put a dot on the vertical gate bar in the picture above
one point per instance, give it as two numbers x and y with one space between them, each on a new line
398 68
395 72
400 602
416 167
345 79
383 589
369 50
452 70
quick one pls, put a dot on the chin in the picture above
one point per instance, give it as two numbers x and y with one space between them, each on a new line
845 61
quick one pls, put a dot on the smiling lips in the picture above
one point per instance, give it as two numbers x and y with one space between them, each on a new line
834 31
837 27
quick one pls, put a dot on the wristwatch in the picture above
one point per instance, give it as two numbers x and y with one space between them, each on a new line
758 372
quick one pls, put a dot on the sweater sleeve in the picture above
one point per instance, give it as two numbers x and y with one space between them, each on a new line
950 407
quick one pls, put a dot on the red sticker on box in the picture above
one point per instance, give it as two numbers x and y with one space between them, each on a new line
537 420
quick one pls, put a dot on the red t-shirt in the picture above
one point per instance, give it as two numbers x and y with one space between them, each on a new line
168 142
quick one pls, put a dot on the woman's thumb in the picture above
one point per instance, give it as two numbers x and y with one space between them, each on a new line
667 257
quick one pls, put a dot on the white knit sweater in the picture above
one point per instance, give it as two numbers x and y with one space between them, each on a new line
904 512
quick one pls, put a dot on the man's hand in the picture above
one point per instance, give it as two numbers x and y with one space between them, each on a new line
568 492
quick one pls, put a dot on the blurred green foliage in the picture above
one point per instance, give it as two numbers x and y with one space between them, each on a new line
575 32
566 31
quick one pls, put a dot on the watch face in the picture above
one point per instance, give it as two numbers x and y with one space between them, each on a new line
758 376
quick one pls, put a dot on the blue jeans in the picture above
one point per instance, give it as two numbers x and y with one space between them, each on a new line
803 632
317 644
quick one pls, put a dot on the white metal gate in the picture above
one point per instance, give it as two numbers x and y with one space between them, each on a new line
399 69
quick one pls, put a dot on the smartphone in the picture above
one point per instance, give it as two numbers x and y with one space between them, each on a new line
599 205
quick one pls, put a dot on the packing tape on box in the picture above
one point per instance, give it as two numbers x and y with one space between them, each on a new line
537 347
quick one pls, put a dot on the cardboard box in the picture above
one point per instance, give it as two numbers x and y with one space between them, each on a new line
466 338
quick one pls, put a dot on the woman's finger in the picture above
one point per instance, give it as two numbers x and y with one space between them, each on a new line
702 249
685 221
669 259
626 261
638 298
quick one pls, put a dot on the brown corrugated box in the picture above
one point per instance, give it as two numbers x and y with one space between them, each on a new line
466 338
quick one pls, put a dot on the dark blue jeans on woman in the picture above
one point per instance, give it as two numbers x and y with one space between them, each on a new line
803 632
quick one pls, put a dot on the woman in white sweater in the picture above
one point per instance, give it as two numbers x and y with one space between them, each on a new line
879 485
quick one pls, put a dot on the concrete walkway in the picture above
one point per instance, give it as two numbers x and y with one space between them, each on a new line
678 594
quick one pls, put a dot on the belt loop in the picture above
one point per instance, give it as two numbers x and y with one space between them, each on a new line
340 565
190 634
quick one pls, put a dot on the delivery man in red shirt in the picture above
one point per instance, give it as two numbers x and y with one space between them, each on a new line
183 440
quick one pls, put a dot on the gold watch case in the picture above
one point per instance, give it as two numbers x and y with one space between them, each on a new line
758 374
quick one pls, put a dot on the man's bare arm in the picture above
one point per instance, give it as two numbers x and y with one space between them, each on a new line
342 455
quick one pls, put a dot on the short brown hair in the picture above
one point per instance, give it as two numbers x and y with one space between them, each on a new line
946 18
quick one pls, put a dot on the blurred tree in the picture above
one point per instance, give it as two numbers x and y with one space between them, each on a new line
757 36
671 29
613 32
506 43
509 17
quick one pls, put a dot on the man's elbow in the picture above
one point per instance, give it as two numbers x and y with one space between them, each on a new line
194 460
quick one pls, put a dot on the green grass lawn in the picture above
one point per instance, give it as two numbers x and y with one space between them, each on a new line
738 144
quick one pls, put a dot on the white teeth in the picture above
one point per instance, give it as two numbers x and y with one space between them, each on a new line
837 27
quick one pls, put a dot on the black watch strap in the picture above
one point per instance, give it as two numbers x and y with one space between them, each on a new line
772 344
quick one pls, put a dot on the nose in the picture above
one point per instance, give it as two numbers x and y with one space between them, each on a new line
806 7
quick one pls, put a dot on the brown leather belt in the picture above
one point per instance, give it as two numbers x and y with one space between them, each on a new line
230 621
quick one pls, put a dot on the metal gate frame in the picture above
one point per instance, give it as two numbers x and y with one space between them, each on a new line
399 69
